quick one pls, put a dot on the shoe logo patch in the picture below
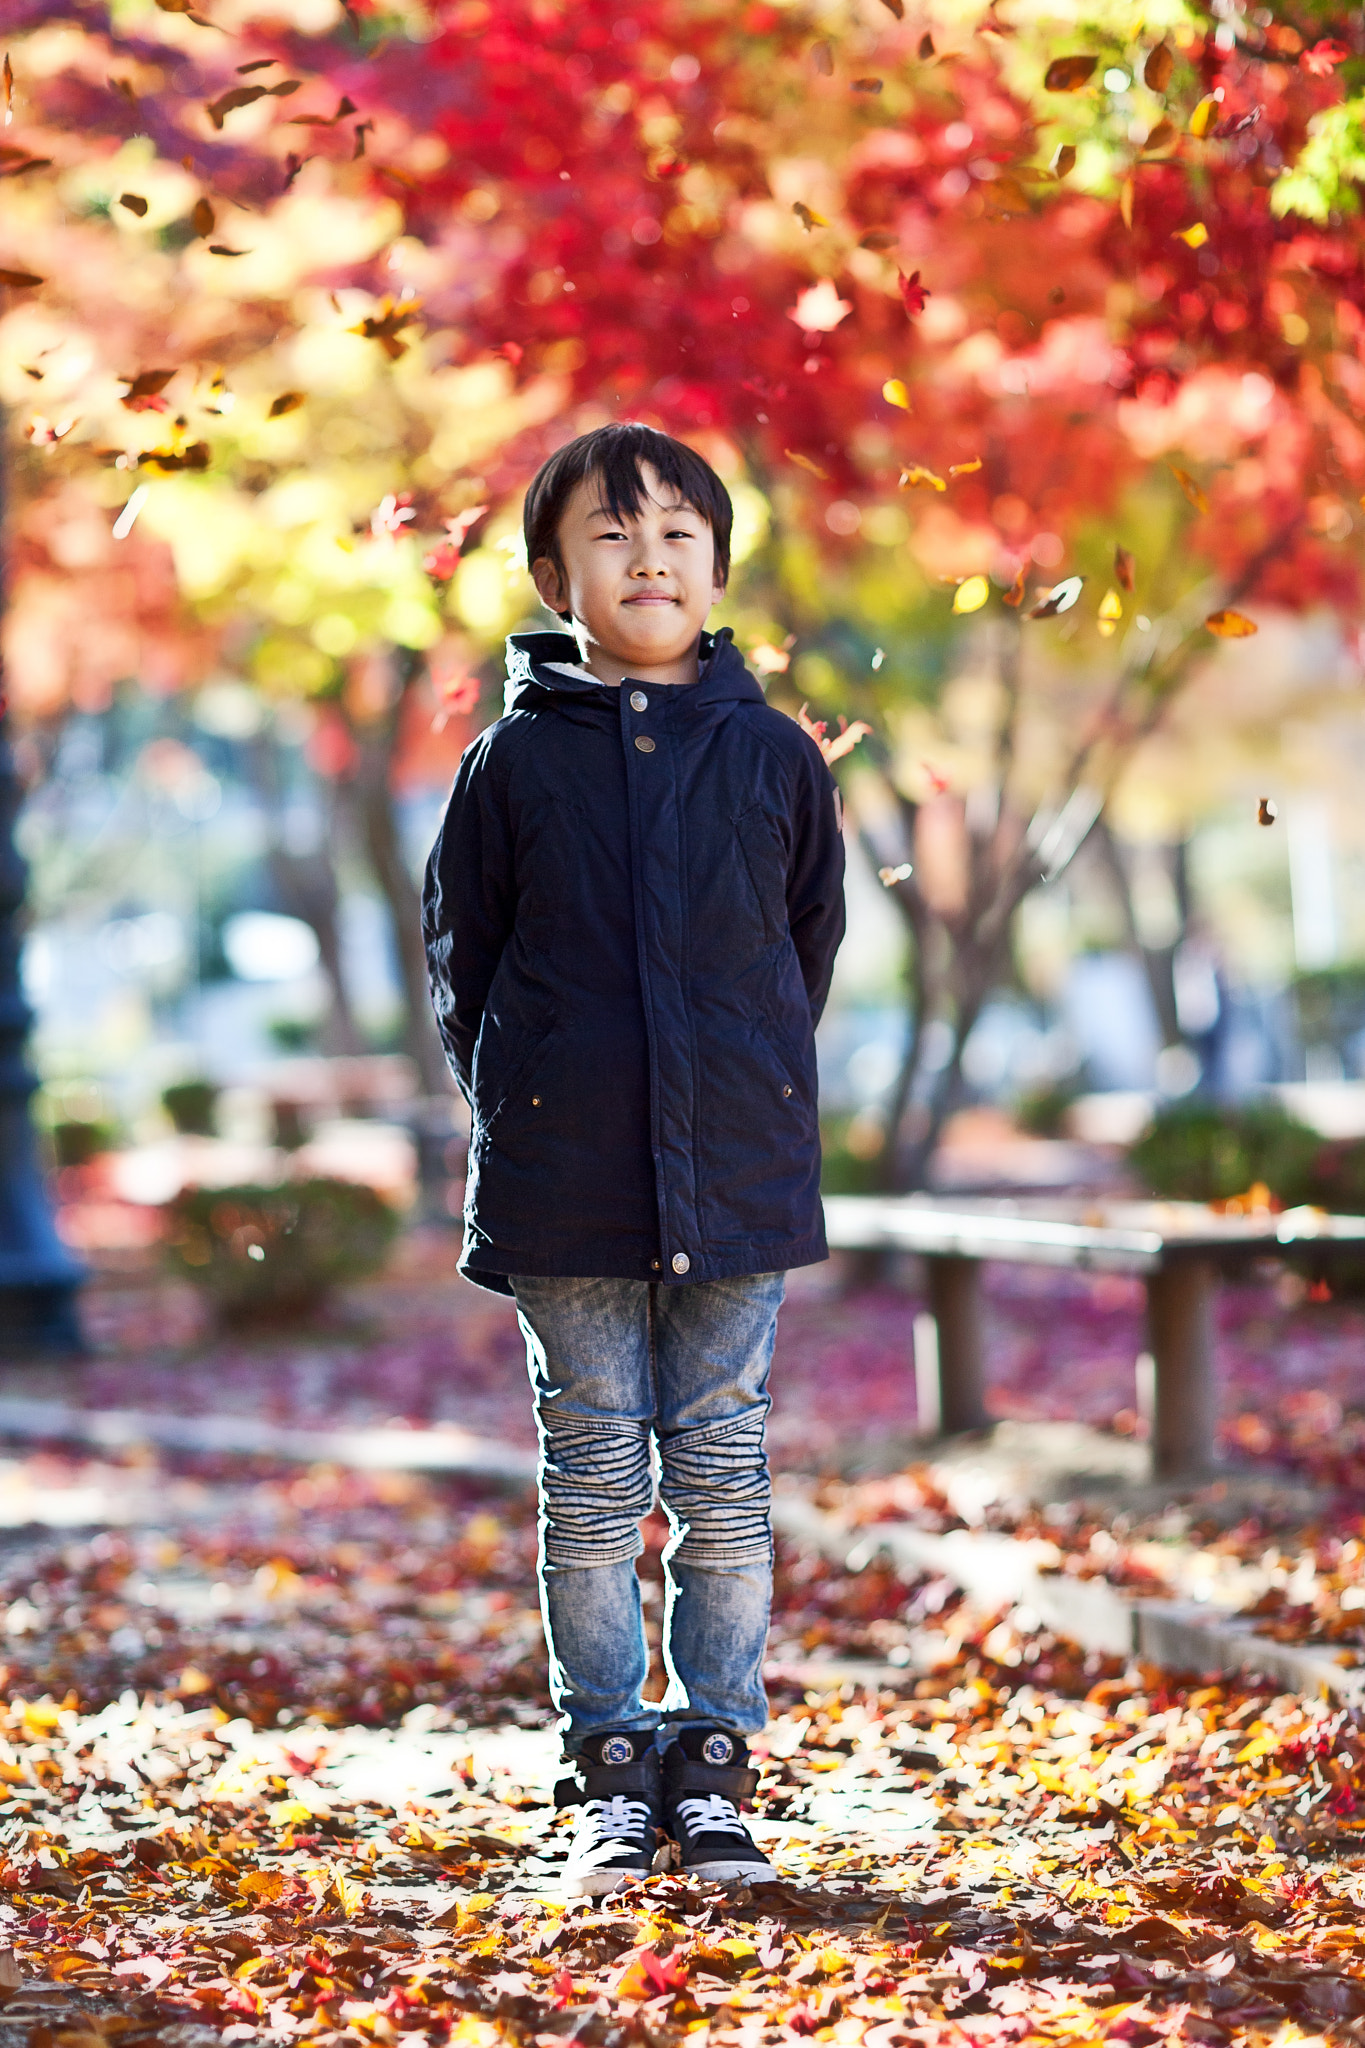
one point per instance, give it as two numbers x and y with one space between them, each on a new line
717 1749
618 1749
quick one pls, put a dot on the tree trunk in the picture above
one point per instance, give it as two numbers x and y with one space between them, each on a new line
306 886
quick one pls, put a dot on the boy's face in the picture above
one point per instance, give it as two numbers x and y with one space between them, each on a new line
639 588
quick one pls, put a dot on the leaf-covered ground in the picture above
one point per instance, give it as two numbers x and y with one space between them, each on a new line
278 1764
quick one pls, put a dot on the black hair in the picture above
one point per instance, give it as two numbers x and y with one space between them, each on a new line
614 454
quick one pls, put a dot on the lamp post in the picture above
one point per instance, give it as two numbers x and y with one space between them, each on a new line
38 1275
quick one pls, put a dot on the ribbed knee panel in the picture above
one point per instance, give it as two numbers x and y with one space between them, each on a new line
595 1489
716 1491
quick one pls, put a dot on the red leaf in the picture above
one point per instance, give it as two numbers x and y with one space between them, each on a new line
1323 58
913 293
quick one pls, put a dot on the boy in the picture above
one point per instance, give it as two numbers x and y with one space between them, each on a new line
631 916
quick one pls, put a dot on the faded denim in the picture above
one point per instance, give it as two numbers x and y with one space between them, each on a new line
630 1378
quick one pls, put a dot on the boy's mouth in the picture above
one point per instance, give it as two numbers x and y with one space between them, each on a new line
651 597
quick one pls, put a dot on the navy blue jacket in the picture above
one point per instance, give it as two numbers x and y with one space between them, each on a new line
631 915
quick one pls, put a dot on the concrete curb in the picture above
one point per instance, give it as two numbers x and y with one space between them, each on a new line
1181 1635
380 1449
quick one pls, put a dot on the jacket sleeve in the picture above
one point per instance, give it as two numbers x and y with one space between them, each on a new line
468 906
815 876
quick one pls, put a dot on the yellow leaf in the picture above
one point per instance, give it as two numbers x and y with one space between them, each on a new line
1229 625
1201 120
287 1811
1126 202
266 1885
971 595
964 468
1193 491
895 393
350 1896
805 462
912 478
1193 237
1110 612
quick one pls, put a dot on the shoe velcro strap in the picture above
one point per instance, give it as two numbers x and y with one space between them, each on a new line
731 1781
638 1780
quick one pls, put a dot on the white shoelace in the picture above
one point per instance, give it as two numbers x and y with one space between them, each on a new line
713 1815
612 1820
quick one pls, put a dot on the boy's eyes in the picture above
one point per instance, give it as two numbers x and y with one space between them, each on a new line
673 533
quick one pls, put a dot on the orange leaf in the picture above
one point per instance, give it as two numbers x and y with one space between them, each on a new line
806 462
1156 72
1064 162
1193 491
1014 596
964 468
1068 74
288 401
1230 625
912 478
20 279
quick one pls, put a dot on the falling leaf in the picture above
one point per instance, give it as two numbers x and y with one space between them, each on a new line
1194 237
202 218
386 325
806 462
221 249
917 476
964 468
896 7
256 64
21 280
971 594
1064 162
819 309
770 660
148 385
895 393
7 89
344 107
877 238
878 656
888 877
1193 491
288 401
134 202
44 433
1266 812
362 129
1156 72
1323 58
123 525
1204 114
1126 193
926 47
1109 614
1059 599
1014 596
939 785
393 512
822 57
1123 568
865 85
167 460
1161 140
1230 625
238 96
1068 74
913 293
808 217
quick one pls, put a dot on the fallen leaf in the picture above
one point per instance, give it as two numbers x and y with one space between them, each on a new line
1068 74
288 401
1124 568
895 393
1194 237
1193 490
1156 72
1059 599
265 1886
971 594
1230 625
918 477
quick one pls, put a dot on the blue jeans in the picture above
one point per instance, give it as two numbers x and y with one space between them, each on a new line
617 1366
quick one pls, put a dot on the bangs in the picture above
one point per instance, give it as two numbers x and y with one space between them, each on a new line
615 456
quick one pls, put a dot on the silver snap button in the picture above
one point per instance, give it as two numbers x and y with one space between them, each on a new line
787 1090
535 1100
638 701
681 1262
645 744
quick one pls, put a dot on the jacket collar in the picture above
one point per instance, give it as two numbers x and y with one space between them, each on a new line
534 684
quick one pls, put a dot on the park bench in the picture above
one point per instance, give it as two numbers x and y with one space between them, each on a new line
1178 1248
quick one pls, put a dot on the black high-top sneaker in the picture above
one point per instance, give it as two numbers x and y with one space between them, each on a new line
619 1790
706 1778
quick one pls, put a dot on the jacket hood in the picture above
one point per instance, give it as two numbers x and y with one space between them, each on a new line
534 685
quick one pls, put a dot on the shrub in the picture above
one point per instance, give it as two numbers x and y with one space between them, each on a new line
190 1105
262 1253
1208 1152
78 1140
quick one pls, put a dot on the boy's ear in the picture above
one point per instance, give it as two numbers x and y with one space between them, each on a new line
550 584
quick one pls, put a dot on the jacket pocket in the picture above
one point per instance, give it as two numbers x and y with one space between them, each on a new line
766 865
496 1078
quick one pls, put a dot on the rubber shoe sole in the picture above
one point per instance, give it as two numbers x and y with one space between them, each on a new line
596 1884
731 1871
